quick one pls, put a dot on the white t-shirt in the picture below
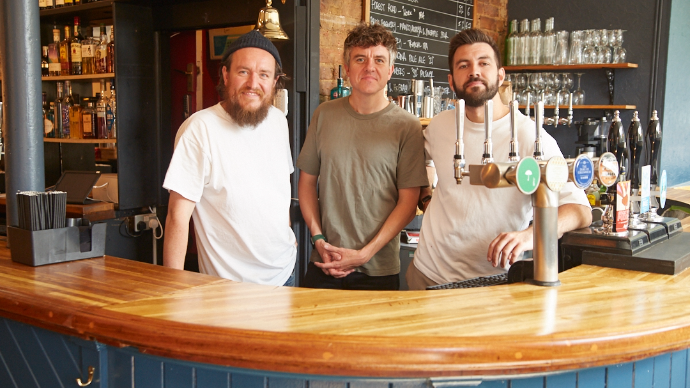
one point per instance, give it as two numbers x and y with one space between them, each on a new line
239 178
461 220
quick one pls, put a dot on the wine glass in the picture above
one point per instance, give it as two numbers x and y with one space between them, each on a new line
619 54
550 91
566 86
579 94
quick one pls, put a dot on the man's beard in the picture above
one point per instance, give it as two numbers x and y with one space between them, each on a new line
477 99
245 117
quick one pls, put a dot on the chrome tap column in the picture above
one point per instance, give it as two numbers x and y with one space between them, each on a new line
488 156
514 150
459 164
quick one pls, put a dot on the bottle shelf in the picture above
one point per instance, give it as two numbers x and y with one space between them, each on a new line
95 10
603 107
79 141
589 66
79 77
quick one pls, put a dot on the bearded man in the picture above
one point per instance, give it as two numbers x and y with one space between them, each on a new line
471 231
230 172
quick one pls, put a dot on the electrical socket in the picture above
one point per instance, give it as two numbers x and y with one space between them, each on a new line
140 222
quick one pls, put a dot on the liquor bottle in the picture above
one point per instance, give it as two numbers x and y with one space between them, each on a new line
535 42
88 55
44 106
88 120
45 71
59 3
548 48
75 124
50 4
340 90
75 46
54 54
101 105
58 120
66 54
111 113
69 2
67 103
110 58
49 121
41 4
523 47
511 44
101 52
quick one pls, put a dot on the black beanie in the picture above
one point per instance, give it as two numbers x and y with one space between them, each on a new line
253 39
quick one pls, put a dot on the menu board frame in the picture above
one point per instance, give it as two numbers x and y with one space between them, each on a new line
422 69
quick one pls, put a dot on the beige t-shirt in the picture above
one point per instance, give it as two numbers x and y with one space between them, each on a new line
362 161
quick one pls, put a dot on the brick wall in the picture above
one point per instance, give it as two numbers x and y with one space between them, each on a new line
339 16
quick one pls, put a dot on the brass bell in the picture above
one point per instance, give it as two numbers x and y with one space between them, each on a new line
268 23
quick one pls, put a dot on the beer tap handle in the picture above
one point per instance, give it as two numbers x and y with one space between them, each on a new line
570 109
459 162
529 101
488 156
514 151
539 114
653 147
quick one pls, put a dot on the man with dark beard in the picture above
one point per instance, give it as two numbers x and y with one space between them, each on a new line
230 173
471 231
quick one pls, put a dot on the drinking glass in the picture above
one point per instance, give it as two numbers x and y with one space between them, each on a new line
575 57
579 94
536 83
619 54
589 52
561 48
550 92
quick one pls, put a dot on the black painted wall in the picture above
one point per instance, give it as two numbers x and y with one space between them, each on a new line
646 40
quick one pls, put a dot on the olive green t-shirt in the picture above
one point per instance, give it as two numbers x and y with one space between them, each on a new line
362 161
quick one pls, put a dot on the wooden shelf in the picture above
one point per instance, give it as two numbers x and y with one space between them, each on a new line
79 141
604 107
79 77
97 10
573 67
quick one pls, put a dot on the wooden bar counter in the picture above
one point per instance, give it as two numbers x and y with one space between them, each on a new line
597 317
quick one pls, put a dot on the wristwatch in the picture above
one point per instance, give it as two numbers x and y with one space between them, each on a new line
422 201
316 238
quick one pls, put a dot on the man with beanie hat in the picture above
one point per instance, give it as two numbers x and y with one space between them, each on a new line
230 172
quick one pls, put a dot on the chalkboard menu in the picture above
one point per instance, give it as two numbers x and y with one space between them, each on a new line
423 29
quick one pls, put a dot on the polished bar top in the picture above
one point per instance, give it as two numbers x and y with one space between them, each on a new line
598 316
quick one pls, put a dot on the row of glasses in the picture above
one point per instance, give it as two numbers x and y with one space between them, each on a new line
551 88
594 46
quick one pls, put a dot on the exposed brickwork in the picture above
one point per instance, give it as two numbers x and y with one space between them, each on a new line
338 16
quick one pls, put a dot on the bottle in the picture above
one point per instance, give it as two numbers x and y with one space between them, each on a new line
549 44
593 193
41 4
49 121
75 46
511 44
75 124
535 42
45 71
67 104
523 50
101 106
66 54
54 54
88 55
340 90
110 58
59 3
44 108
50 4
58 112
111 113
69 2
101 52
88 120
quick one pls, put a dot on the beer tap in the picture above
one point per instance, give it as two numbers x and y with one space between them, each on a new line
653 144
635 147
529 101
488 156
459 164
514 150
616 144
538 115
567 120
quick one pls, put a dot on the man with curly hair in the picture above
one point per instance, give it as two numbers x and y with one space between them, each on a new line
367 156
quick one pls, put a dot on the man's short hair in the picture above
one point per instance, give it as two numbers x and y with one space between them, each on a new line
369 35
472 36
